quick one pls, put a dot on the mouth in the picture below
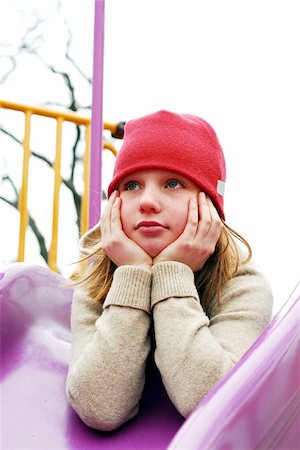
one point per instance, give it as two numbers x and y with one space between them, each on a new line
150 227
149 224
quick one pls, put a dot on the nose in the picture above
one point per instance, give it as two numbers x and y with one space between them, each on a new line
150 201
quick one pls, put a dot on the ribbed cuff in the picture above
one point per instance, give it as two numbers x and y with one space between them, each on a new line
172 279
130 287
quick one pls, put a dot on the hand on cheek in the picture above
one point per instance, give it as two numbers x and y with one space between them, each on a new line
199 238
118 247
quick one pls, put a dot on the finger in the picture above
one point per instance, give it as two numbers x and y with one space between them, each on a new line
205 216
209 241
216 223
106 216
116 224
190 229
109 204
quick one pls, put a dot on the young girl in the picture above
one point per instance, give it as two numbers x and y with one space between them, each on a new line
163 256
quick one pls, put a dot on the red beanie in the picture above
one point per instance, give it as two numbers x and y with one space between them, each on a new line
181 143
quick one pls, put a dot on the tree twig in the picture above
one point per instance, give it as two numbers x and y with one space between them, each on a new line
14 203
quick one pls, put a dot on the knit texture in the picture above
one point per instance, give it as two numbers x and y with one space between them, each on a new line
182 143
172 279
110 346
131 287
194 351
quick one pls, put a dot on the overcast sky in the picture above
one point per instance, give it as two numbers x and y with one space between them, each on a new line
234 63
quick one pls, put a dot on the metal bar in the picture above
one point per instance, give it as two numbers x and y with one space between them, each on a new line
84 219
22 204
86 179
46 112
40 111
110 147
95 193
52 257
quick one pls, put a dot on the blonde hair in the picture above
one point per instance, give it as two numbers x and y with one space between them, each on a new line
96 270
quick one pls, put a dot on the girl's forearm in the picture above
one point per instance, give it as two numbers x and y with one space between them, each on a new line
109 351
193 352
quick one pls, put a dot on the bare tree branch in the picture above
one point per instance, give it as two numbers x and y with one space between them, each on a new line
40 238
30 43
7 178
38 156
61 105
69 183
12 136
74 149
23 47
12 59
14 203
69 58
10 202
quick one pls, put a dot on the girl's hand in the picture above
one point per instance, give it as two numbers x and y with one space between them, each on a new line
199 238
118 247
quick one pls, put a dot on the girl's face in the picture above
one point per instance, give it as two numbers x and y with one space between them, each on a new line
154 207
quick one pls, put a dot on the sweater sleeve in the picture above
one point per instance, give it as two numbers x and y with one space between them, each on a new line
110 345
193 351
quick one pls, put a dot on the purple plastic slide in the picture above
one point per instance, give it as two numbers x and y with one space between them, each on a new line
256 406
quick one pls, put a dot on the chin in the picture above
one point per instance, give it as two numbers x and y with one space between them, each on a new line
154 250
153 253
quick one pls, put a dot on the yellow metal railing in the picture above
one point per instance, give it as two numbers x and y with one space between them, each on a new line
60 118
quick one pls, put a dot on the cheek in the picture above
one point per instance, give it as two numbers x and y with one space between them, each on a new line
125 215
181 214
180 218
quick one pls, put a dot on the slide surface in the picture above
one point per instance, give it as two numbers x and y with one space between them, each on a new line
255 406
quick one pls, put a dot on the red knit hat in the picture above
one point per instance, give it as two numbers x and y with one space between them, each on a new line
181 143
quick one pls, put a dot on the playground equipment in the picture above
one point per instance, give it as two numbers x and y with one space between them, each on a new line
60 117
256 406
35 339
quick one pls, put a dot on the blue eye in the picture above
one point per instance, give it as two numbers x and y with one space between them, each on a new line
174 184
132 186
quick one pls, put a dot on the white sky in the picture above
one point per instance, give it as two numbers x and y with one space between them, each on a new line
234 63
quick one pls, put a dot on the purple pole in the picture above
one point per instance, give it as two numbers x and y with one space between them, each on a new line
95 192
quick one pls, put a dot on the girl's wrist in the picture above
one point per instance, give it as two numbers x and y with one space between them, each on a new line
144 266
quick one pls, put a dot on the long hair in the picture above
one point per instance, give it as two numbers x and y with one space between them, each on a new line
96 270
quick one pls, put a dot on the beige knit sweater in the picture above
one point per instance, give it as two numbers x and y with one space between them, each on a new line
110 343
